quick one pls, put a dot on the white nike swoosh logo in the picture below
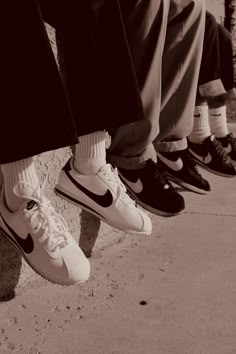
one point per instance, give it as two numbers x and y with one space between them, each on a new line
173 165
137 187
205 159
228 149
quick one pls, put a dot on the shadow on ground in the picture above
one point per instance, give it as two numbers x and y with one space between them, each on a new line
10 269
11 260
90 226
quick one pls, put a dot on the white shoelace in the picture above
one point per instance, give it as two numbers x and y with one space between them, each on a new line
112 177
45 221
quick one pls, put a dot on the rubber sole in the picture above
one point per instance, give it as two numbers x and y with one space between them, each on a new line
187 186
64 194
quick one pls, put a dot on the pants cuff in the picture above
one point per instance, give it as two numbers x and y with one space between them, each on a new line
133 163
212 89
170 146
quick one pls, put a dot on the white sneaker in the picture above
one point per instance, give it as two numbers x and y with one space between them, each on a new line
43 238
103 195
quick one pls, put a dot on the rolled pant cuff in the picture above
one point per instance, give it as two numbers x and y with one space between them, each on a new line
170 146
132 163
212 89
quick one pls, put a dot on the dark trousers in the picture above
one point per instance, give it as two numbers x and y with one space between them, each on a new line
226 58
96 65
112 56
35 114
217 58
112 53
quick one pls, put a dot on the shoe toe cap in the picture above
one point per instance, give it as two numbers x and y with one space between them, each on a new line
206 185
147 223
77 266
178 203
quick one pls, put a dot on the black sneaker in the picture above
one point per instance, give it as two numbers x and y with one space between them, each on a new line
151 189
211 155
182 169
229 144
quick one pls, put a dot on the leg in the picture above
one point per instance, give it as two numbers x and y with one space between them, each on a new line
178 62
217 106
210 80
102 89
34 104
146 24
226 56
98 72
33 94
210 111
179 80
185 41
132 149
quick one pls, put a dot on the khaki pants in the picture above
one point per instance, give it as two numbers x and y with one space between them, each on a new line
165 39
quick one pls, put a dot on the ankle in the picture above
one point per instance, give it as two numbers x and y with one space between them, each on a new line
20 182
90 153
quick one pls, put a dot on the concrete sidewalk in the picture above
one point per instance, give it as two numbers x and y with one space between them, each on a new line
171 292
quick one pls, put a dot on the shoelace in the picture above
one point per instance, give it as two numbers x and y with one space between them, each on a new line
217 148
45 221
158 175
190 162
112 176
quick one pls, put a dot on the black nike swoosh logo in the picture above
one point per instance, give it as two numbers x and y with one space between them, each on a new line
27 244
197 115
104 200
82 205
216 115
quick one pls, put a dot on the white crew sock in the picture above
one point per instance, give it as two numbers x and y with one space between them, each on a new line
90 153
218 121
15 172
201 128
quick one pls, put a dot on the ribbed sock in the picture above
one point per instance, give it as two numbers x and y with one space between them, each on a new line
15 172
218 121
90 153
201 128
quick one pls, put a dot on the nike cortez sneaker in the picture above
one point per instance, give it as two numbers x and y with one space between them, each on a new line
103 195
229 144
42 237
182 169
151 189
211 155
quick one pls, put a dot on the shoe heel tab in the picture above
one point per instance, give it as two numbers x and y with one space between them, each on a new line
67 166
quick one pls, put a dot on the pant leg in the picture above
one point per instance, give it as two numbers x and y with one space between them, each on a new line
35 113
145 23
97 68
59 14
170 74
181 64
210 69
226 58
209 81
